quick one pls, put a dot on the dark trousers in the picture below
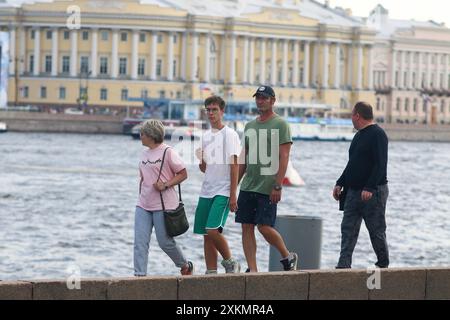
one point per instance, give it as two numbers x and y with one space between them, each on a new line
373 213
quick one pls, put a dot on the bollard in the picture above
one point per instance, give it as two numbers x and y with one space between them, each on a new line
301 234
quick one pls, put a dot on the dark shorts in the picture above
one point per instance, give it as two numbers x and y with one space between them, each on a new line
255 208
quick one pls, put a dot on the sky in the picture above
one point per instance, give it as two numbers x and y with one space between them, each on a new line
421 10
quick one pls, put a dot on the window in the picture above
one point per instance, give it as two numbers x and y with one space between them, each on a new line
141 67
174 71
85 35
178 95
405 79
33 34
415 105
43 92
25 92
396 78
84 65
142 37
48 64
378 104
442 106
397 106
160 38
48 34
123 36
406 105
414 80
104 35
31 63
103 65
62 93
66 64
175 38
66 35
103 94
162 94
124 95
158 67
144 93
123 66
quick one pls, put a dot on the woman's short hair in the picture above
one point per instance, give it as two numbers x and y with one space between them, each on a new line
153 129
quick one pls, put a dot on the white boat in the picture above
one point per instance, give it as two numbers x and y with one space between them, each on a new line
172 132
3 127
323 130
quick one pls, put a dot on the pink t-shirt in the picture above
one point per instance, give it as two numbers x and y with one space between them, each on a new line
149 165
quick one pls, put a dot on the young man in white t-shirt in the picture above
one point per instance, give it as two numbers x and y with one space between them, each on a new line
218 156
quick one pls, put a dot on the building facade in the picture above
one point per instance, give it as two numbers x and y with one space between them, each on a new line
411 70
186 50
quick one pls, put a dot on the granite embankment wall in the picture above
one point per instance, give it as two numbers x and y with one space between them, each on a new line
63 123
416 284
44 122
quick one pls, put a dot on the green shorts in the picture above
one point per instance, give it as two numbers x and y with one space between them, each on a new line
211 213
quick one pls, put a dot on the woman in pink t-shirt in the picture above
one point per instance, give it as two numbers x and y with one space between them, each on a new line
149 212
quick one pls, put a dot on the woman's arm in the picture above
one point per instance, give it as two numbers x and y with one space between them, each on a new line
177 179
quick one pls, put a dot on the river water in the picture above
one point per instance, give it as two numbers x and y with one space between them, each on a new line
67 203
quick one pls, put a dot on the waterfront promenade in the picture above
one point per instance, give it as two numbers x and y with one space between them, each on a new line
67 123
371 284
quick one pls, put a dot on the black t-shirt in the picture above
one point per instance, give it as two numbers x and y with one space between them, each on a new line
367 165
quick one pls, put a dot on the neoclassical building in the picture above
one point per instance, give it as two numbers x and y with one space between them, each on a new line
186 50
411 69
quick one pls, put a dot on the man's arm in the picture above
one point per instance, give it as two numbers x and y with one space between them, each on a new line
285 149
234 177
379 153
242 164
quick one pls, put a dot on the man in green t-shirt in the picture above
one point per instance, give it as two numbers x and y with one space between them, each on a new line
267 145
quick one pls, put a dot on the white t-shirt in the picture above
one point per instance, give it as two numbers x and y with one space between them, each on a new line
218 148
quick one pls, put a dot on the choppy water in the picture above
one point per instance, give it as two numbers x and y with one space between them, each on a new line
68 200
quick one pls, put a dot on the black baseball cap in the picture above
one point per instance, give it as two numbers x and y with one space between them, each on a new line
265 91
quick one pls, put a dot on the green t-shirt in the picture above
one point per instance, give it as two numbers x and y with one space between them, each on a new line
260 139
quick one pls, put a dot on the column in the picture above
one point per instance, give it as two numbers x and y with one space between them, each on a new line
262 62
232 75
401 75
37 51
350 66
207 57
153 55
326 61
115 54
12 50
134 54
295 68
223 52
22 50
428 80
244 63
183 55
194 55
251 60
306 65
273 63
315 65
446 64
410 71
73 53
394 67
370 67
359 68
169 64
94 52
284 70
337 67
437 82
54 72
419 72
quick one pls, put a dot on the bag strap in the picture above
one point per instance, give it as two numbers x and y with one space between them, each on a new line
159 176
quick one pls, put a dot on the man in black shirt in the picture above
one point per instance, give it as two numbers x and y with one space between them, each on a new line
362 188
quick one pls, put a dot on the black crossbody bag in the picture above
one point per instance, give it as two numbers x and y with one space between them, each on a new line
175 220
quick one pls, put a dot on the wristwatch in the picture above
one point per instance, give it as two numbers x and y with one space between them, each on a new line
277 187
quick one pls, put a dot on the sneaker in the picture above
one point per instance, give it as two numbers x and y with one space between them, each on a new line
290 263
231 266
248 270
211 272
187 269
